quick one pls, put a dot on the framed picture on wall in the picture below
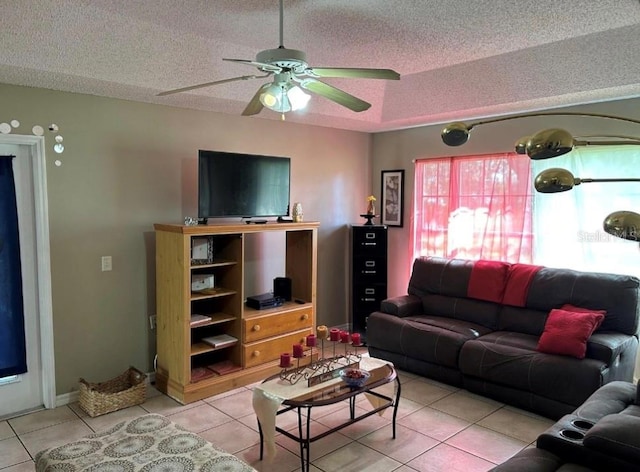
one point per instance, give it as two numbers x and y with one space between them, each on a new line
392 191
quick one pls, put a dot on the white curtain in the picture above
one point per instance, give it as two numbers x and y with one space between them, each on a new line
567 226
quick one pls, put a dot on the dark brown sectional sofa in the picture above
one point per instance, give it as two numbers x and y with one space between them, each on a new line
602 434
478 328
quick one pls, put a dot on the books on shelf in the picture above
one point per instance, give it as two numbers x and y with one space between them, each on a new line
201 373
197 320
224 367
220 340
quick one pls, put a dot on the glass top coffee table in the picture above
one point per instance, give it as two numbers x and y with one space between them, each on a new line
332 392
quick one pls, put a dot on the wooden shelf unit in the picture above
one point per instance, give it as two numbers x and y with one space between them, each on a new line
262 334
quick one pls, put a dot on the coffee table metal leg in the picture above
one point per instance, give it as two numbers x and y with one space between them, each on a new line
352 407
395 406
305 443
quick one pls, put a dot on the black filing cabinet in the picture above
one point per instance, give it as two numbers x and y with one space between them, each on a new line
368 273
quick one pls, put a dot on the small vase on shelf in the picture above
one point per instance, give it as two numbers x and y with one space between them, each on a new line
298 215
371 210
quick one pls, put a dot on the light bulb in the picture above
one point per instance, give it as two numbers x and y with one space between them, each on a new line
298 98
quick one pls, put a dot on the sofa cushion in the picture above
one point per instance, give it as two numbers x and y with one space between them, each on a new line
498 359
608 399
566 332
441 276
537 460
464 309
616 436
522 320
508 338
616 294
433 339
578 309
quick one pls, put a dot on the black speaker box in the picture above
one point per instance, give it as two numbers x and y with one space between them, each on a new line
282 287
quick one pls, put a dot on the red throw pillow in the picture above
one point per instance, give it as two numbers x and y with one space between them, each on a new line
566 332
579 309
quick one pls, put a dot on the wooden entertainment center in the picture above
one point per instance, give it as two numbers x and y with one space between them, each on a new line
191 365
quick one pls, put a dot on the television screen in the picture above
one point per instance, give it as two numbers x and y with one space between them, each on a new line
242 185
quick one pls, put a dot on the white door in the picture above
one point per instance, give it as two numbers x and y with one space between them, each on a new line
25 392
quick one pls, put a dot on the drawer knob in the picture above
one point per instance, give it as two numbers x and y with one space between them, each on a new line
305 317
256 328
255 353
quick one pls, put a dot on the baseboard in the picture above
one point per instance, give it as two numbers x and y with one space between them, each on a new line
67 398
72 397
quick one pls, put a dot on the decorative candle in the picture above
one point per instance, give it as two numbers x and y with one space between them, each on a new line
285 359
355 339
298 351
344 336
311 340
322 331
334 334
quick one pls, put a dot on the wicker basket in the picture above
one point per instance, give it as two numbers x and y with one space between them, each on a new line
128 389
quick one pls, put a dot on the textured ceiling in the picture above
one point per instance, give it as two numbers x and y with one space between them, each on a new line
457 58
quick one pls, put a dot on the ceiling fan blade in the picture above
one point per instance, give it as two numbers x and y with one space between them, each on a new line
335 95
262 65
255 105
352 73
209 84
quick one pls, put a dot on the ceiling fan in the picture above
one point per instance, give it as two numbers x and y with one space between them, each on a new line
291 73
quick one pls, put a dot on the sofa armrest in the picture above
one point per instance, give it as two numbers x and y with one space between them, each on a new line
617 435
607 346
405 305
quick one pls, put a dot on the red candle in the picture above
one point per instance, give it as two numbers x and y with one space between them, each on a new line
355 339
298 351
344 336
334 334
311 340
285 359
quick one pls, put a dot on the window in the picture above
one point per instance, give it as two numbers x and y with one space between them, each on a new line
568 226
484 207
474 207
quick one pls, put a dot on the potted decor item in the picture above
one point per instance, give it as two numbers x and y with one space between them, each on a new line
297 214
371 210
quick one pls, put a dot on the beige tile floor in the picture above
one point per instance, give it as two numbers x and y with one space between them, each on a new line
439 428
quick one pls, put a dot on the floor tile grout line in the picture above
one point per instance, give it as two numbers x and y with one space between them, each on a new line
359 440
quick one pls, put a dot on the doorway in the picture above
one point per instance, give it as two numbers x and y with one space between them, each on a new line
36 388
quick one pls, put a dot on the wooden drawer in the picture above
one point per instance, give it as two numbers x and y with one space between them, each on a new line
270 349
274 324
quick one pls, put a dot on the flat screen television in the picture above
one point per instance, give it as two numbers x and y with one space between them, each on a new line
242 185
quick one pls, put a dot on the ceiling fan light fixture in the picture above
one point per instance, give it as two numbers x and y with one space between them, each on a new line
284 97
275 98
298 98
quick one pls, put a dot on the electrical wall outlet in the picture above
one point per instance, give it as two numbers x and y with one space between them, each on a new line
106 263
152 321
